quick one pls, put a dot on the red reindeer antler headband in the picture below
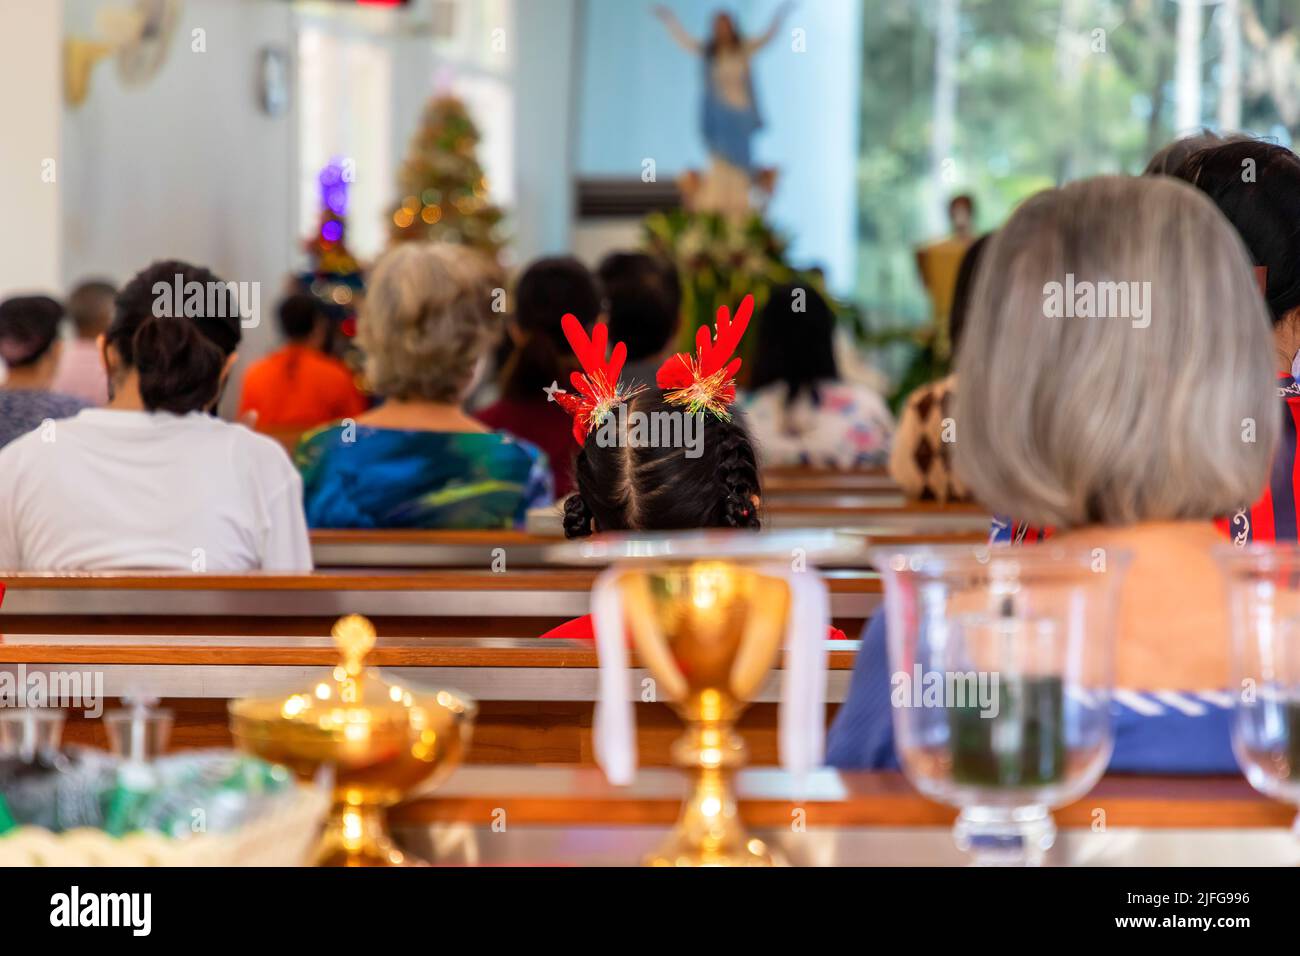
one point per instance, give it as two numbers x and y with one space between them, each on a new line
597 385
707 380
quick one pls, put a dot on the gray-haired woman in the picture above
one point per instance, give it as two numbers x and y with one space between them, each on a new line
418 460
1121 428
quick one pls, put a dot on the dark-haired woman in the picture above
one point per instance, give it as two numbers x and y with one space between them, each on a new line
29 361
1256 185
548 289
153 480
800 410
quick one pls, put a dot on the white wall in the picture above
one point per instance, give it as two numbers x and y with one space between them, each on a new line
187 166
546 74
30 91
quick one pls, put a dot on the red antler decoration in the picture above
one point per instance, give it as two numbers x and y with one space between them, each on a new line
597 390
707 380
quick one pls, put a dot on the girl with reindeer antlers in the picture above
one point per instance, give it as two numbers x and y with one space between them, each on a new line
709 479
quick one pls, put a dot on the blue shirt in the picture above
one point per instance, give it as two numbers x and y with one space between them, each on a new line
1158 732
23 410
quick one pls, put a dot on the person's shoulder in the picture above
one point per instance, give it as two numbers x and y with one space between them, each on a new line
18 451
326 365
28 450
67 405
261 368
506 439
322 442
260 450
42 403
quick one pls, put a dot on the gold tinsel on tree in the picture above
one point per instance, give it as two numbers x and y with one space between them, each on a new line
443 190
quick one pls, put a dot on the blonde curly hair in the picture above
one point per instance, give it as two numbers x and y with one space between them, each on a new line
427 321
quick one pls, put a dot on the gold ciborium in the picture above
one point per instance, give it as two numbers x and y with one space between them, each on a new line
708 631
381 741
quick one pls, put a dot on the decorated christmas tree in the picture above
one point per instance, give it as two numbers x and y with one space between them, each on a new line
443 189
333 274
327 248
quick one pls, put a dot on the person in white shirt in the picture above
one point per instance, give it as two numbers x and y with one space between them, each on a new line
153 480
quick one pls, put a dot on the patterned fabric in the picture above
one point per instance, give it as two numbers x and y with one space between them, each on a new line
849 428
358 477
1273 516
1155 731
22 410
546 425
921 459
1008 531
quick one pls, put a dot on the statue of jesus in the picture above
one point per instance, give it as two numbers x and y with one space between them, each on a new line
729 116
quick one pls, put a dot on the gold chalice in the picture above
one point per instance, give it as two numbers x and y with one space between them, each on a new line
381 741
708 613
708 632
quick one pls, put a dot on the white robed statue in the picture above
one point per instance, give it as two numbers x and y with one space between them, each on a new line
729 114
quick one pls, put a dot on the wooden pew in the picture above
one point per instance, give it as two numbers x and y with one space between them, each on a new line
198 639
518 549
911 519
535 696
811 486
798 478
574 816
445 603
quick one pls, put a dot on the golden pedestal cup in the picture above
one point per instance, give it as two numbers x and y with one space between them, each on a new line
381 741
708 613
708 632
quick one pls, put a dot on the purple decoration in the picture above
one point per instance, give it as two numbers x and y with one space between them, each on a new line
331 231
334 189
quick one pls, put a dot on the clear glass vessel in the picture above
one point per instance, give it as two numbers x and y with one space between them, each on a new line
1001 666
1264 607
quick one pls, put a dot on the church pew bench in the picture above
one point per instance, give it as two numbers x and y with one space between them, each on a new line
535 696
572 815
488 550
447 602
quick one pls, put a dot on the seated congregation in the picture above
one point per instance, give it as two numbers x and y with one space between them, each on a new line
1102 433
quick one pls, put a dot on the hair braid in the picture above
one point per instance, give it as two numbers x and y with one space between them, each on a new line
577 517
738 473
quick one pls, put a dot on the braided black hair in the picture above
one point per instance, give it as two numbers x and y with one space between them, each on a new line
625 487
577 517
738 474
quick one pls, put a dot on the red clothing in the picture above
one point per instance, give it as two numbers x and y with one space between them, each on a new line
1274 517
299 387
546 425
580 629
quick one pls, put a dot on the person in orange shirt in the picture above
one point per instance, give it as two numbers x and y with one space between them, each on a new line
300 385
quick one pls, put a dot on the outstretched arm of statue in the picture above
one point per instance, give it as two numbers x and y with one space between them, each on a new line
676 30
768 35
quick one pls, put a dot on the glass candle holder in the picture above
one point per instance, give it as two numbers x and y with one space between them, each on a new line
1001 674
24 731
1264 606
